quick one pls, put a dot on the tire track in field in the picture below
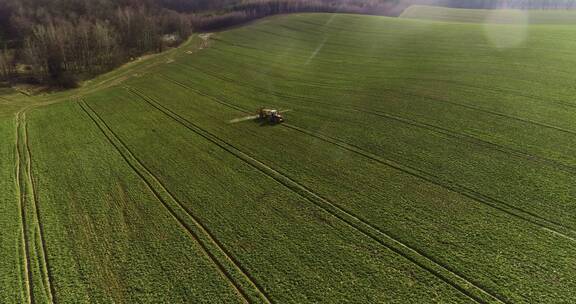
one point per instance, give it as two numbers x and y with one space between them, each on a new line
472 290
48 279
472 139
273 68
301 57
5 99
495 113
22 205
24 185
517 212
437 129
422 125
532 98
374 60
355 92
347 30
474 108
377 59
543 223
209 245
28 199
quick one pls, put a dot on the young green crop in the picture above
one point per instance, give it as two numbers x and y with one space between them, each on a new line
107 237
419 162
476 165
11 270
381 195
505 16
282 240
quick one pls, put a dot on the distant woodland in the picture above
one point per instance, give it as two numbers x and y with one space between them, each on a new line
59 42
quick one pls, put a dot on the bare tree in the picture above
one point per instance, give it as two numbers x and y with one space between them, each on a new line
7 66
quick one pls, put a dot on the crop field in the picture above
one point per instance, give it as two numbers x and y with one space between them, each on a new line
420 162
503 16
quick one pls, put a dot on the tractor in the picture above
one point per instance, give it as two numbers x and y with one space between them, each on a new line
271 115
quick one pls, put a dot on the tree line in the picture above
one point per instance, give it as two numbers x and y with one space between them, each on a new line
58 42
244 11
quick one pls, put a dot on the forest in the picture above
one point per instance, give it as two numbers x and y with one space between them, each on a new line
60 42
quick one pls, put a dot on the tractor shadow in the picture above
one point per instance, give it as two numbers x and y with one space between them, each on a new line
263 122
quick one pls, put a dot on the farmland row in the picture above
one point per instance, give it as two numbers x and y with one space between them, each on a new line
528 214
346 28
511 132
502 71
367 54
279 69
406 172
270 229
444 130
449 276
357 188
282 77
563 143
393 94
285 77
544 223
503 16
13 265
38 286
26 282
228 266
110 239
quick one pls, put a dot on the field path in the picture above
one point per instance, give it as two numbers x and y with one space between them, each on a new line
543 223
443 272
29 297
245 286
34 252
40 229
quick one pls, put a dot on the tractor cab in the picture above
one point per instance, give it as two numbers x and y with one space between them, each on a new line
271 115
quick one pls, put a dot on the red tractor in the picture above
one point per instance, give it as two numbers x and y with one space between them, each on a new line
271 115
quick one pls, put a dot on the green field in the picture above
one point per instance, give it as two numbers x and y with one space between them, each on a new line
420 162
503 16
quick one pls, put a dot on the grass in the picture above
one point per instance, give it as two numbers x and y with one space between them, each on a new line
499 16
10 243
420 162
106 221
263 211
